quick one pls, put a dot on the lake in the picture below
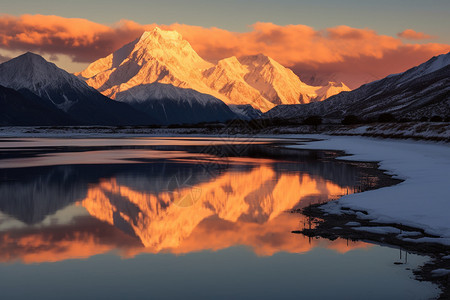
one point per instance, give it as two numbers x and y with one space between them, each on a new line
185 217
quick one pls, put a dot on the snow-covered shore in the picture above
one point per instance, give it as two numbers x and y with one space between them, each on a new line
415 130
422 200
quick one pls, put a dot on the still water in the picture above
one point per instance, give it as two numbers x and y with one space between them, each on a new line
194 218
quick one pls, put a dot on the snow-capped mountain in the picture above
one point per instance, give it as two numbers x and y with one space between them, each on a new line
54 88
157 56
32 72
227 77
159 75
280 85
421 91
174 105
164 57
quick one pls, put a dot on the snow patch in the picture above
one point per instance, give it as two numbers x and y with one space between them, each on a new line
378 229
440 272
408 233
352 224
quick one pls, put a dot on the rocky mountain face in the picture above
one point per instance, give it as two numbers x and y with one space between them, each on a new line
21 109
421 91
165 57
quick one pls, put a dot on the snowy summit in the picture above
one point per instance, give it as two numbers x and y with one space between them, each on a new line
165 57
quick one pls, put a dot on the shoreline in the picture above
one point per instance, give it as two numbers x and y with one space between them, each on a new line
420 166
358 217
422 131
331 227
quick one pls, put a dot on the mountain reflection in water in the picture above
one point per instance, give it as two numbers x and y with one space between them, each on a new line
167 205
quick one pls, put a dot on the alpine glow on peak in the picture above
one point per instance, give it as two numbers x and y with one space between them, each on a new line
165 57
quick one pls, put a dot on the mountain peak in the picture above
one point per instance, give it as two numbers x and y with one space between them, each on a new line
30 58
158 33
157 56
257 59
31 55
32 72
27 69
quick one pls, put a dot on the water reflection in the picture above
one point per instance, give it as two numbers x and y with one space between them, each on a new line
238 207
170 204
212 224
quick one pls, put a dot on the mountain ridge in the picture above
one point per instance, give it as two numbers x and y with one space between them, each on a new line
165 57
34 77
172 105
27 109
422 91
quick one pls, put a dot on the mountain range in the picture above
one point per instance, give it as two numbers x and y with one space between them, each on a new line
36 92
422 91
164 57
158 79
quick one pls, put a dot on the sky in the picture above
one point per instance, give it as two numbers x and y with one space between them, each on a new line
374 30
385 16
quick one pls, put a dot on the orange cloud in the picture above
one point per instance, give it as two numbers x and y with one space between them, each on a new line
411 34
81 39
342 48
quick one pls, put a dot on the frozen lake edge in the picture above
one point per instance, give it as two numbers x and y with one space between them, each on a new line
413 215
